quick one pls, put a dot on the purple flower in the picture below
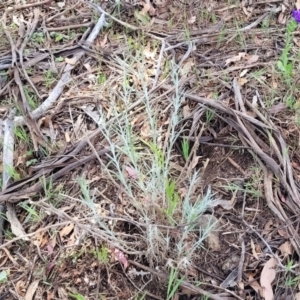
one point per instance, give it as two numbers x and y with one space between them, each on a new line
296 15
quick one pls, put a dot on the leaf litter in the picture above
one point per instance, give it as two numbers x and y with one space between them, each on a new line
235 120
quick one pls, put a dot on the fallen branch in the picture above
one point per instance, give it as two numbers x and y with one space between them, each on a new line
8 168
25 193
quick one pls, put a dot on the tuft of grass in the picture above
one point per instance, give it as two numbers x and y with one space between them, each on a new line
291 280
12 173
31 98
22 134
32 214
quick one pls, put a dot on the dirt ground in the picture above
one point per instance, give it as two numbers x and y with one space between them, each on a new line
89 115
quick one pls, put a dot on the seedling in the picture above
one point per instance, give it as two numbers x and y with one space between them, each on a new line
12 173
101 78
38 37
31 98
49 78
209 114
292 281
102 255
138 297
76 296
284 64
3 276
166 69
172 200
173 284
185 149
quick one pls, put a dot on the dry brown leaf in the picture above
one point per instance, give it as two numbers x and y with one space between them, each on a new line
267 276
286 249
131 172
282 18
283 233
147 7
119 256
195 161
235 58
15 225
70 61
20 288
226 204
254 284
244 72
254 250
38 238
104 41
31 290
268 227
67 137
148 53
213 238
66 230
242 81
71 240
51 244
50 295
145 131
187 66
88 67
251 59
191 20
186 111
37 78
62 294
